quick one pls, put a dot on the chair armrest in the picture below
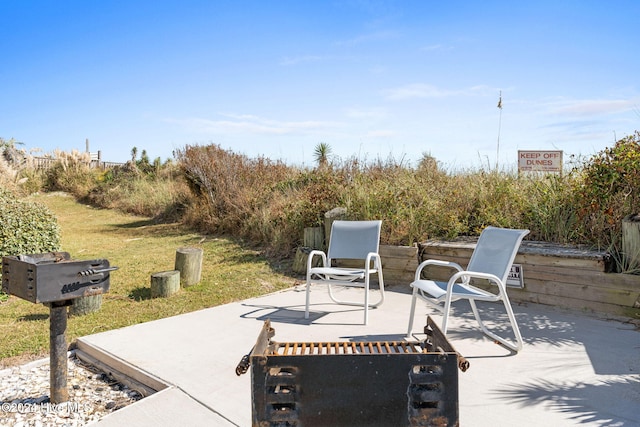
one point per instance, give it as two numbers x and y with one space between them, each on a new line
436 262
466 275
314 253
377 261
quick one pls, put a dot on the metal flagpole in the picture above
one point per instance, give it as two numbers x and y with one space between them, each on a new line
499 127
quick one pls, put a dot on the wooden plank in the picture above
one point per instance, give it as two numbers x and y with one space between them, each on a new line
397 278
608 287
555 272
463 257
123 378
125 369
399 264
427 252
589 306
570 291
582 292
606 280
527 246
608 293
530 252
559 261
398 251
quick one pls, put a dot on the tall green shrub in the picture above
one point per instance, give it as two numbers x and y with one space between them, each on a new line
27 227
607 190
551 209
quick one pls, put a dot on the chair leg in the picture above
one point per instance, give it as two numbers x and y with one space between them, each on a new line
307 299
514 324
366 300
512 320
445 314
412 312
354 303
366 305
381 285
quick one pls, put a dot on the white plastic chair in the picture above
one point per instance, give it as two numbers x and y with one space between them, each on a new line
491 260
353 240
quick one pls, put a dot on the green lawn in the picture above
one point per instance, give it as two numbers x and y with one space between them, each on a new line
136 245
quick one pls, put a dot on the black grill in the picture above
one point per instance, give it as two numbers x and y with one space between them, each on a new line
381 383
53 277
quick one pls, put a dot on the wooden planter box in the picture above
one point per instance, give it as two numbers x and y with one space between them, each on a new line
556 275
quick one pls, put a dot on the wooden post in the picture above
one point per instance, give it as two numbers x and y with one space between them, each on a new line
85 305
165 283
313 238
300 260
631 243
189 263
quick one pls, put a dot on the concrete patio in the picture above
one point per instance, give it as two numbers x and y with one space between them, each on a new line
575 369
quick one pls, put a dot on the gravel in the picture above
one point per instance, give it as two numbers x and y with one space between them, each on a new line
93 394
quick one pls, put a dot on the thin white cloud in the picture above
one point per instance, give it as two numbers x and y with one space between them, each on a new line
250 124
593 107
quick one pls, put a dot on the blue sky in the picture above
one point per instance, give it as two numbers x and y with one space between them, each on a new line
372 79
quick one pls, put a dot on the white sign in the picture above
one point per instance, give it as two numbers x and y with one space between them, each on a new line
515 278
540 160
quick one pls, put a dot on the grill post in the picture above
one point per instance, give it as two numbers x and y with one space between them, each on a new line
58 352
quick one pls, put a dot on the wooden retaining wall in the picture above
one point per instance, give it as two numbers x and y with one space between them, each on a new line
554 275
399 264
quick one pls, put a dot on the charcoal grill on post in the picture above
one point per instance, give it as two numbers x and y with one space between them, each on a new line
54 279
381 383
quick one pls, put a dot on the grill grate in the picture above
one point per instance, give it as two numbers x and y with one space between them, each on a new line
343 347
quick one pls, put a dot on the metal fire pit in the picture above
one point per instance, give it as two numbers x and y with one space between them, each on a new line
55 280
381 383
53 277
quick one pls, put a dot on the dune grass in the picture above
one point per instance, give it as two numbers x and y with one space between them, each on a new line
139 247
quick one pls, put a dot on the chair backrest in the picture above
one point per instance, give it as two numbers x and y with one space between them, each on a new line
353 239
496 250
